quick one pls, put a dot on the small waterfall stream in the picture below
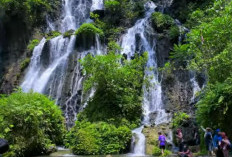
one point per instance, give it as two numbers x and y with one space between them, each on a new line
97 5
141 33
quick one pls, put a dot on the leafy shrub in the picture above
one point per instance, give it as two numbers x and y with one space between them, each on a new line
87 138
32 44
119 14
24 64
215 107
88 29
32 12
122 11
157 152
179 119
161 21
174 32
31 123
118 87
112 5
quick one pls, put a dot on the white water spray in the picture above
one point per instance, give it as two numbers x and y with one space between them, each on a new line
51 60
152 102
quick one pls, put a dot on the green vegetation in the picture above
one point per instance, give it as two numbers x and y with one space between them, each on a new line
32 44
208 51
215 107
179 119
161 21
24 64
68 34
32 12
123 11
118 87
165 24
182 9
31 123
88 29
52 34
157 152
119 15
104 127
98 138
174 33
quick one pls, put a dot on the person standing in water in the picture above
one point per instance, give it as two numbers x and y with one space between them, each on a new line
162 142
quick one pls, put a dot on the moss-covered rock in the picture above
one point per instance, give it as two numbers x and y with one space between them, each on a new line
68 34
32 44
52 34
88 29
86 36
24 64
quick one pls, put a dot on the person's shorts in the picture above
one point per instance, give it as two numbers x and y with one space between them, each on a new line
162 147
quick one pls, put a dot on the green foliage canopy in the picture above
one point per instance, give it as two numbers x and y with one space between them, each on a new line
118 85
30 11
31 123
98 138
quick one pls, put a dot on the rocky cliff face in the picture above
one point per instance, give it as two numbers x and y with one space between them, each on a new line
14 36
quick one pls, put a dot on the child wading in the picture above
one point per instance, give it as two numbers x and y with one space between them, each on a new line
162 142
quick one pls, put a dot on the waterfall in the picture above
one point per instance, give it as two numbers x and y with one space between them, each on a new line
139 39
139 148
195 86
97 5
54 69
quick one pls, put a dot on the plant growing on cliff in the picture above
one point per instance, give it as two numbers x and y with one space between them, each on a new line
161 21
68 34
31 123
52 34
118 86
88 29
32 44
24 64
179 119
32 12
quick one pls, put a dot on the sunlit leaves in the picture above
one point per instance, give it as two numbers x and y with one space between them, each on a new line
118 83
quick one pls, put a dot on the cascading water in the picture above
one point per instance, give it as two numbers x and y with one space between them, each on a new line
97 5
139 148
152 103
195 86
54 69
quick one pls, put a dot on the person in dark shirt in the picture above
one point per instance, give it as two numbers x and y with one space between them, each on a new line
208 140
186 152
180 139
